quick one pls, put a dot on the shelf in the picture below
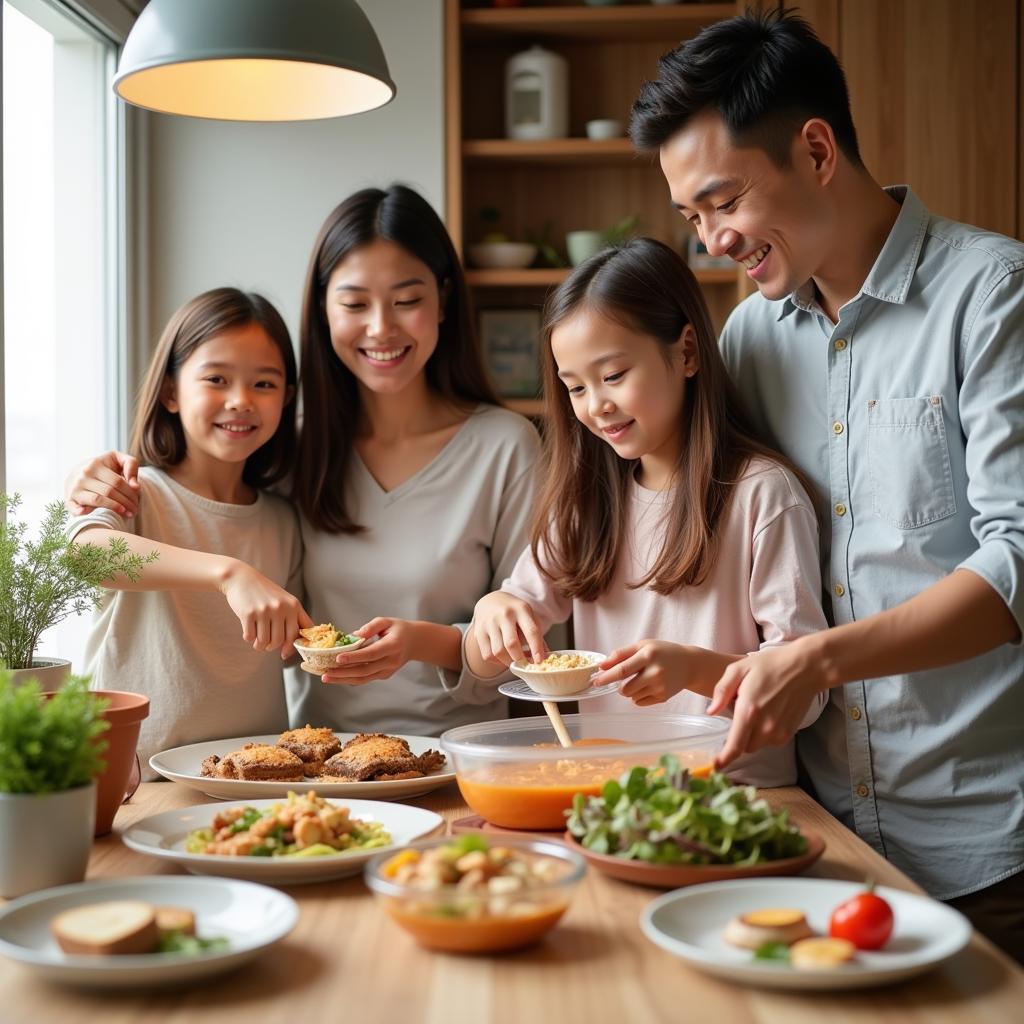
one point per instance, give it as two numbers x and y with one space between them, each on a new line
525 406
618 24
562 151
548 277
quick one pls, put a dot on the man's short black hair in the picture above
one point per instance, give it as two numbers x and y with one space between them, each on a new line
764 74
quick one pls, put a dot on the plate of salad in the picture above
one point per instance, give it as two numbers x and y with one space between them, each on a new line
302 838
667 828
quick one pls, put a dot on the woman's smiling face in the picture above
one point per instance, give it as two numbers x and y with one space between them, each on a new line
383 309
622 387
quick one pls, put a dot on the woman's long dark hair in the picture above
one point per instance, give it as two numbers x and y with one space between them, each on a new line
157 437
330 397
581 513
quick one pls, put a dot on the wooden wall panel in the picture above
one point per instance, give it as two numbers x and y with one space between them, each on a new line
935 90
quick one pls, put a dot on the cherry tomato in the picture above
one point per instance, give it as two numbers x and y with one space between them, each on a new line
865 920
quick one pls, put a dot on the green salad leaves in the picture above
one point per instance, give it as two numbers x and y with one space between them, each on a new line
664 815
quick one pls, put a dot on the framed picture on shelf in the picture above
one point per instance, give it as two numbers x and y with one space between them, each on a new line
700 259
510 339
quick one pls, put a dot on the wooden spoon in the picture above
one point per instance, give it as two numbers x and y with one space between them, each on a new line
556 722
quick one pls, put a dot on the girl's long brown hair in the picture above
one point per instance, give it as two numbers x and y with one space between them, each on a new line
157 438
330 397
581 513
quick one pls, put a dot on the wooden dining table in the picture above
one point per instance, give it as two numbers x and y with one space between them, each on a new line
347 962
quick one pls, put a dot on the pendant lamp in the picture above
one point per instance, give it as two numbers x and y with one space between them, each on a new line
254 60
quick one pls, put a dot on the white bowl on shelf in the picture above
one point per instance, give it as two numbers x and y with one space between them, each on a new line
502 255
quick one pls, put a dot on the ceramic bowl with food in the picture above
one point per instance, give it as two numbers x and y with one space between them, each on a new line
560 673
515 774
322 644
502 255
476 894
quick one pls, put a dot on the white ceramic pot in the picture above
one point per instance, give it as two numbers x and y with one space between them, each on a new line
45 838
537 95
51 673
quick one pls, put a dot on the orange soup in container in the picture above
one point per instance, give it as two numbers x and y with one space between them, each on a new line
513 775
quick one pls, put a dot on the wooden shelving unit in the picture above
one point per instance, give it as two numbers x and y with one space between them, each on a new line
548 188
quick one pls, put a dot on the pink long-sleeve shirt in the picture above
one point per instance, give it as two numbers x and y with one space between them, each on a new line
764 590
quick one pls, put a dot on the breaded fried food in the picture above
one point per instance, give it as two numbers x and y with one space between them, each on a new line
314 746
257 762
369 755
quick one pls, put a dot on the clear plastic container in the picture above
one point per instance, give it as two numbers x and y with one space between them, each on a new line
514 774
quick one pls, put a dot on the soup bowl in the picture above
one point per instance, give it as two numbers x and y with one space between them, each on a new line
515 775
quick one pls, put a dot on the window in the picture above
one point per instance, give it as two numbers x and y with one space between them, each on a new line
62 397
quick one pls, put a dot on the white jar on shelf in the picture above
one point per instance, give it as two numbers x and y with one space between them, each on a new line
537 95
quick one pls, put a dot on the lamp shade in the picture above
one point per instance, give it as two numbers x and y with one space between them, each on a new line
254 60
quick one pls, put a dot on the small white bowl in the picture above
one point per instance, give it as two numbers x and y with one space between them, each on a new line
560 681
604 128
502 255
319 659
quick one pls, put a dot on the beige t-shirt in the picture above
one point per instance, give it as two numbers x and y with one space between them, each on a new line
184 650
764 590
433 547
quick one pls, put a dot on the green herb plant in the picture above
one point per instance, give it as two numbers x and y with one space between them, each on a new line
43 582
49 744
666 816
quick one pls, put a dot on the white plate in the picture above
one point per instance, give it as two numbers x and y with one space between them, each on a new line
521 690
183 764
163 835
251 917
689 923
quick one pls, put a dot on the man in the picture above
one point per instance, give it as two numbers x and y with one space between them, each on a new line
882 352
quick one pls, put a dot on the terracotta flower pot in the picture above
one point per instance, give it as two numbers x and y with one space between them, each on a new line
125 715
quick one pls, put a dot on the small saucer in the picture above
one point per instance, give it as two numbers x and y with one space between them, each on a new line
521 690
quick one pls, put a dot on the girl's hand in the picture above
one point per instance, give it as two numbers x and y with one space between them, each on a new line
271 617
379 660
109 481
503 626
659 670
773 690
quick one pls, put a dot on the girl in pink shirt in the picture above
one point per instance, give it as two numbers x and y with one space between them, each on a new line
673 536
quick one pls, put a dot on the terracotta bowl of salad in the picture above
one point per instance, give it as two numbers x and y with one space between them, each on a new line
472 894
322 644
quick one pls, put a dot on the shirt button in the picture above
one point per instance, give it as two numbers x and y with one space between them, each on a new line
862 790
837 427
838 589
855 714
840 509
840 344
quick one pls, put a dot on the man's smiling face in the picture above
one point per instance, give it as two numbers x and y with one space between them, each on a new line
773 220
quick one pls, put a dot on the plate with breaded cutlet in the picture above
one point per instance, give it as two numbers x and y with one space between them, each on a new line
339 764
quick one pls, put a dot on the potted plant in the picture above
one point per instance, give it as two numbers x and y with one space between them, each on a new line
43 582
51 751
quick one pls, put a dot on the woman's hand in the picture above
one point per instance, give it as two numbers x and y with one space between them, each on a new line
773 690
108 481
271 617
660 669
504 626
379 660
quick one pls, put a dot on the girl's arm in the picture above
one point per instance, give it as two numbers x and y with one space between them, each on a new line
270 616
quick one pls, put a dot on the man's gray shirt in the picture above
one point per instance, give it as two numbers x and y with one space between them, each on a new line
908 415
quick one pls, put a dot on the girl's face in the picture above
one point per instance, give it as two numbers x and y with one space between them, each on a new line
229 394
383 310
621 388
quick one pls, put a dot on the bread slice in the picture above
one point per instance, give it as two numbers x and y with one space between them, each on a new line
107 929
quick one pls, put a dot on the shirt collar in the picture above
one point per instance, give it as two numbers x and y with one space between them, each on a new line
889 279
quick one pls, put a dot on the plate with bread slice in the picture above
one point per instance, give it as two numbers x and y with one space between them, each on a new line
298 839
372 765
143 932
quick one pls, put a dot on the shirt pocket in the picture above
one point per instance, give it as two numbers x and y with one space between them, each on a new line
908 461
